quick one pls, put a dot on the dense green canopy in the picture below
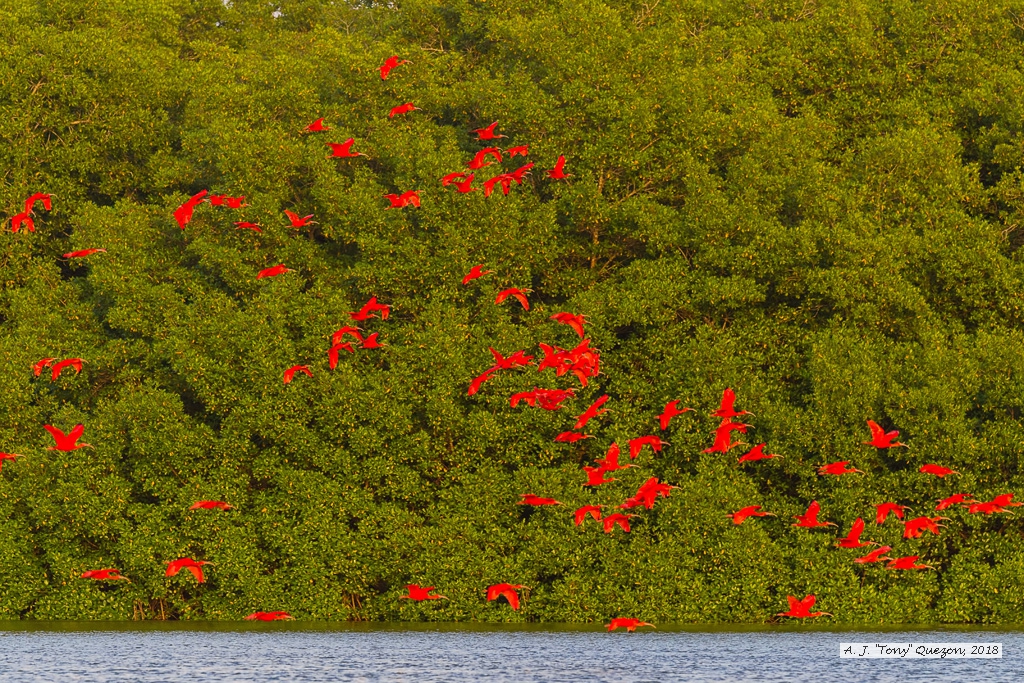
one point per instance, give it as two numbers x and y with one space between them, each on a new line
818 204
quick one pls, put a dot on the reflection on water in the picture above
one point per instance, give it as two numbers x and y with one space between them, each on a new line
423 653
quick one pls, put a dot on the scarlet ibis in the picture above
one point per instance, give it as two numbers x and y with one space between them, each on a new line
389 64
757 453
725 409
479 159
620 519
572 437
348 329
518 359
515 293
245 225
881 438
552 399
371 342
937 470
334 351
1006 500
268 616
402 109
955 499
487 133
750 511
104 575
611 459
298 221
67 442
466 186
505 589
373 305
636 445
904 563
506 184
421 593
520 173
453 177
838 469
521 150
407 198
183 214
478 381
875 555
58 368
809 520
627 623
530 499
885 508
647 494
82 253
595 476
558 172
852 539
195 567
39 197
343 150
8 456
474 273
235 202
273 271
217 199
290 372
723 437
671 410
590 413
913 528
576 322
22 219
211 505
801 609
985 508
581 514
40 364
317 126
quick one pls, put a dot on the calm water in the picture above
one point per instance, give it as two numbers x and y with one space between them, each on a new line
452 655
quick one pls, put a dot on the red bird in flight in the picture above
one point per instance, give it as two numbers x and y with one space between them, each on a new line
8 456
104 575
620 519
937 470
348 329
317 126
582 513
521 150
913 528
75 363
595 476
530 499
750 511
505 589
23 219
558 172
955 499
757 453
211 505
671 410
852 539
454 177
67 442
881 438
421 593
273 271
343 150
572 437
576 322
334 351
809 520
478 381
905 563
801 609
725 410
723 437
885 508
195 567
590 413
407 198
389 64
479 160
838 469
290 372
39 197
298 221
82 253
506 184
611 459
636 445
183 214
627 623
474 273
487 133
245 225
402 109
40 364
268 616
515 293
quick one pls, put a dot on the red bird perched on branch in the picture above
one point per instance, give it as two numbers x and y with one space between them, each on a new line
671 410
195 567
487 133
852 539
474 273
402 109
211 505
723 437
757 453
67 442
245 225
875 555
273 271
421 593
8 456
298 221
22 219
627 623
618 519
75 363
508 590
913 528
334 351
530 499
39 197
611 459
407 198
725 410
389 64
343 150
290 372
885 508
268 616
838 469
317 126
183 214
582 513
809 520
955 499
82 253
40 364
881 438
636 445
905 563
742 514
558 172
478 381
576 322
590 413
937 470
801 609
521 150
515 293
104 575
572 437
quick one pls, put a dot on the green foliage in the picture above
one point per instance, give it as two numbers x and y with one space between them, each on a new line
819 206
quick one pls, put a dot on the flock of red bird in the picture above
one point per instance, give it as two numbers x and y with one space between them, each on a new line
581 362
